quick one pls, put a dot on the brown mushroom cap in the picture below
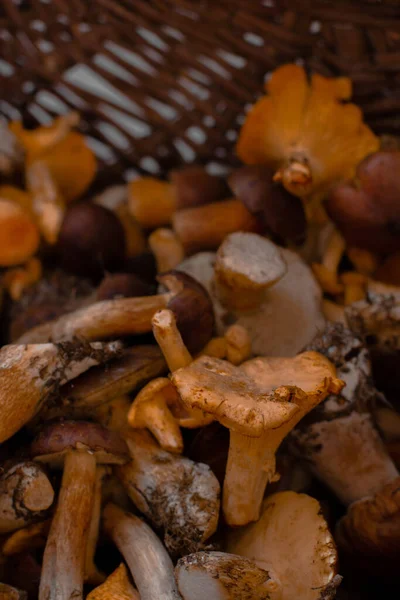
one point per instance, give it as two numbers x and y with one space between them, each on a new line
192 307
57 439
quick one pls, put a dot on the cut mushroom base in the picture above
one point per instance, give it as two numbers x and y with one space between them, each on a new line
291 521
28 375
260 405
176 494
222 576
148 561
290 313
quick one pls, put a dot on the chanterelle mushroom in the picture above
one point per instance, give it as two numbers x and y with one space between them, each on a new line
222 576
116 587
177 495
28 374
260 403
293 543
79 446
250 272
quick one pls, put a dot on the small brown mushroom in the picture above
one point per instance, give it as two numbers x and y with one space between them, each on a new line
222 576
293 304
27 539
116 587
79 446
308 571
25 495
177 495
205 227
167 249
19 234
148 561
29 374
260 403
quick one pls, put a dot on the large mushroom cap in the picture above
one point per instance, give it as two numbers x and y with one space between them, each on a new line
221 576
57 439
217 387
293 543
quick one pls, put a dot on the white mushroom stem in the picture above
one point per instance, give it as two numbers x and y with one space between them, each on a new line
64 556
173 492
148 561
25 494
348 455
106 319
222 576
28 374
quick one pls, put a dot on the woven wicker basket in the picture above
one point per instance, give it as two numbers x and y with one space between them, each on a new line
161 82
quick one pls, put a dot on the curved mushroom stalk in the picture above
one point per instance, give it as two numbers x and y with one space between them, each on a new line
27 539
80 446
177 495
116 587
291 521
260 403
371 526
25 495
148 561
28 374
222 576
285 297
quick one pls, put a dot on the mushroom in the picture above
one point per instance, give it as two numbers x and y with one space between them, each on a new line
25 495
341 444
116 587
80 447
29 374
371 526
292 542
177 495
19 234
222 576
260 403
11 151
27 539
126 316
326 271
148 561
376 317
167 249
92 574
291 304
132 368
122 285
7 592
153 202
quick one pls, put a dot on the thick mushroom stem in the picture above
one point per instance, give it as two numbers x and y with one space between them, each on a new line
106 319
25 494
148 561
28 374
92 574
220 576
64 556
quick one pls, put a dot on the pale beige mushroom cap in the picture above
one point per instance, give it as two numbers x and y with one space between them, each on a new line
293 543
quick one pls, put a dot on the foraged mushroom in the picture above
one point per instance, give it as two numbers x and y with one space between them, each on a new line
167 249
260 403
19 234
371 526
116 587
148 561
222 576
29 374
7 592
290 305
177 495
378 316
79 446
25 495
292 542
27 539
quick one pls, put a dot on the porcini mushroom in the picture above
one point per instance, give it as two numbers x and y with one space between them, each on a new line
291 304
292 542
177 495
28 375
222 576
79 446
148 561
116 587
25 495
260 403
